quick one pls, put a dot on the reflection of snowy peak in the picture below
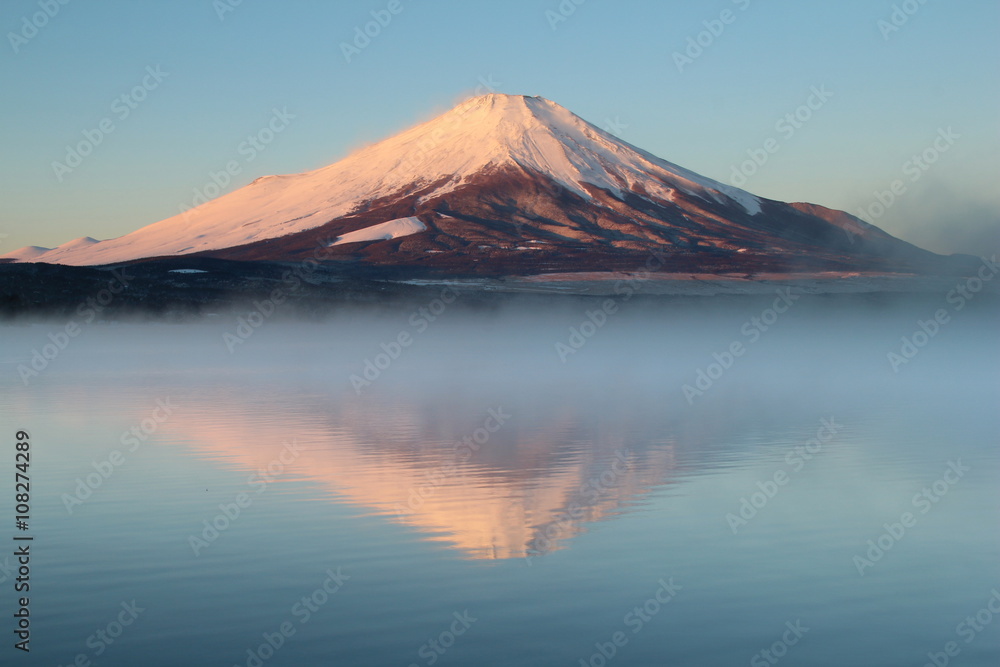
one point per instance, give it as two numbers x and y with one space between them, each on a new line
511 499
502 174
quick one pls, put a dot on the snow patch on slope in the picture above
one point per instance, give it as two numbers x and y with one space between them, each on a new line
742 197
384 231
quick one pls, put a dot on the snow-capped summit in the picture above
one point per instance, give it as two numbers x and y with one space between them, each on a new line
536 134
29 253
500 182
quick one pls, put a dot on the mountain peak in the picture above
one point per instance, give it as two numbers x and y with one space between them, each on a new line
494 122
516 134
502 102
495 101
476 177
544 138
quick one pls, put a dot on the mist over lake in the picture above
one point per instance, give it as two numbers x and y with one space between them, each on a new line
542 481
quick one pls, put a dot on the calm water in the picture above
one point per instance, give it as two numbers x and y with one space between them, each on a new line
592 514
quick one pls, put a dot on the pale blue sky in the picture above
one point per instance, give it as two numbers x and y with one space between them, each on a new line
611 62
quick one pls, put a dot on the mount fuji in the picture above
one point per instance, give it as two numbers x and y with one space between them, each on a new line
507 185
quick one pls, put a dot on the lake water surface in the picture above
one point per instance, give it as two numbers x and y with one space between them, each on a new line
486 497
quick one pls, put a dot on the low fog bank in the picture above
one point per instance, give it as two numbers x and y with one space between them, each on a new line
682 386
802 344
942 216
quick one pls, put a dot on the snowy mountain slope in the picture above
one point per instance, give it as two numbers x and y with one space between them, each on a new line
29 253
508 185
480 135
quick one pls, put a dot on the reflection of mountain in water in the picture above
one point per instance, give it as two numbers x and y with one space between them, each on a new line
498 481
579 442
584 440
